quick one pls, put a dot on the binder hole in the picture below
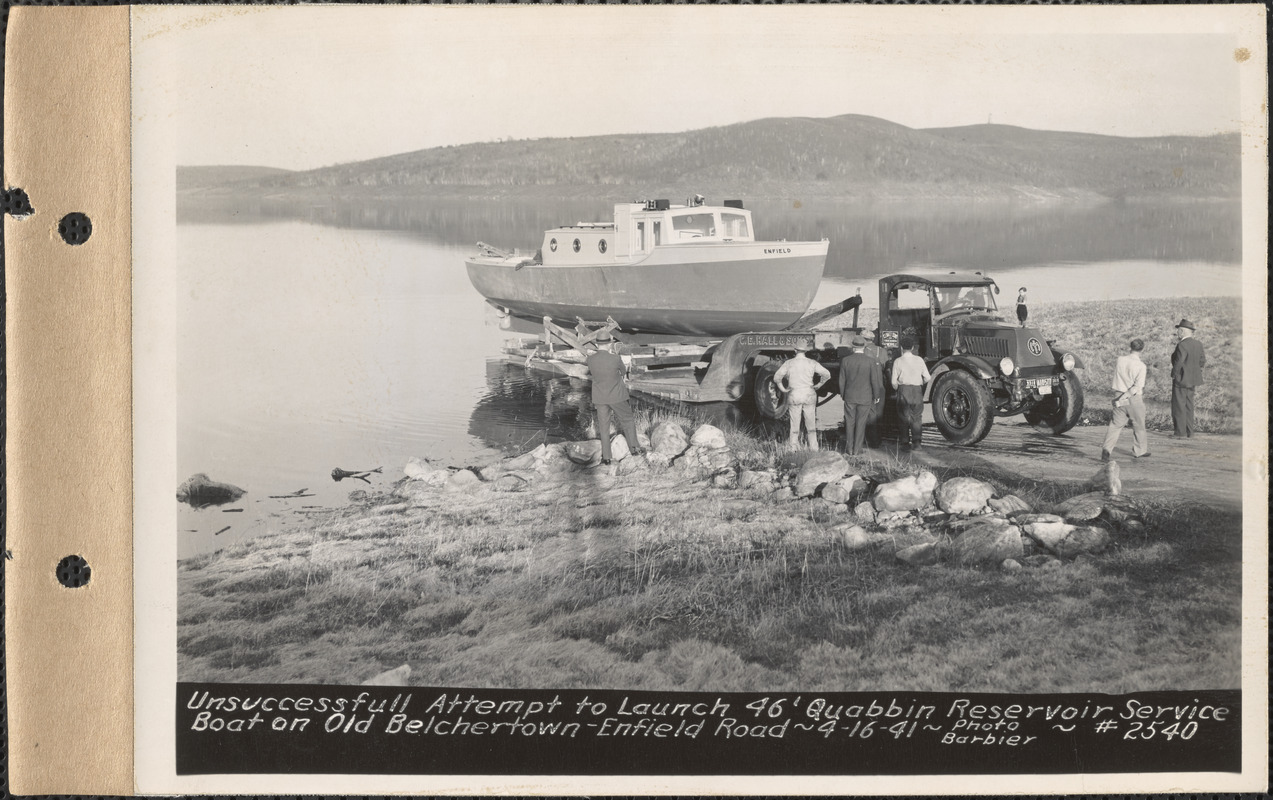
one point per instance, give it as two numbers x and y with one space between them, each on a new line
73 572
75 228
16 203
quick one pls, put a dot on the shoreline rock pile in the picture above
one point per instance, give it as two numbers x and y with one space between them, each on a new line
962 521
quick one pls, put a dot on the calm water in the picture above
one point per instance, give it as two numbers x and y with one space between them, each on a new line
343 335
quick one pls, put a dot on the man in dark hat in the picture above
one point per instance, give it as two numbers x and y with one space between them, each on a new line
861 387
1187 362
610 396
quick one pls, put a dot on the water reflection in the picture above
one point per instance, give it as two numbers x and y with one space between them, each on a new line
523 409
866 238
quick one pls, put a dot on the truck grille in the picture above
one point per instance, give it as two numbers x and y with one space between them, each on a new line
986 346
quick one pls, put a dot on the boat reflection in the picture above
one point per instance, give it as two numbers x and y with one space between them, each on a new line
523 409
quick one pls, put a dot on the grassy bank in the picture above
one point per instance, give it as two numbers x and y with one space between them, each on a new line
1098 331
656 581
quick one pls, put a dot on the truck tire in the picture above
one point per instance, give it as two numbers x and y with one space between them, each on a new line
770 402
1060 411
962 407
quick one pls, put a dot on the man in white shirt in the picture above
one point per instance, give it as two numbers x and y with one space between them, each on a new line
1129 402
800 378
909 376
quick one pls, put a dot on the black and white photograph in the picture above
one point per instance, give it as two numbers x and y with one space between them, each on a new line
693 391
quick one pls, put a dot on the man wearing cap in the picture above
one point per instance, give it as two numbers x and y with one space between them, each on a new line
862 387
910 373
1129 403
610 396
1187 362
800 378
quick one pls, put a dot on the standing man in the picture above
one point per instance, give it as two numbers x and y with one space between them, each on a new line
1186 375
861 386
1129 402
610 395
910 373
1022 311
800 378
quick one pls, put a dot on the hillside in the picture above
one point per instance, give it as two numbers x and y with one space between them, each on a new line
196 178
845 156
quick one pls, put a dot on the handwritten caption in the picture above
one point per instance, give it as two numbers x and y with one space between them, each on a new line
953 722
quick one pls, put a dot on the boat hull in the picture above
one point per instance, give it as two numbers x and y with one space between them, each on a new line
694 290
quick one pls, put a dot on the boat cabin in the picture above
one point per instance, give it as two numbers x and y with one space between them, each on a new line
640 227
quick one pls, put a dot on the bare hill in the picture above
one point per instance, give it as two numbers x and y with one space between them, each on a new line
845 156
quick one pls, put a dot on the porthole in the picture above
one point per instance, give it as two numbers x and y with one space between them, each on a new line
552 245
601 245
576 245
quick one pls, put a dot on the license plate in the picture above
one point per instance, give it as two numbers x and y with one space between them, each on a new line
1045 389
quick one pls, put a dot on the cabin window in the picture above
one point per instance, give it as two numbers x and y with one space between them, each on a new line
658 232
908 298
640 237
694 226
601 245
552 245
576 245
735 226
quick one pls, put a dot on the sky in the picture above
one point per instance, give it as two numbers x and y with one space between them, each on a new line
305 87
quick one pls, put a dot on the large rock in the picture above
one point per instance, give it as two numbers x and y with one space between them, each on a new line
200 491
619 449
1106 480
418 469
1083 507
855 537
398 676
526 460
963 495
990 542
822 468
1067 541
587 452
911 492
669 439
919 555
846 490
708 436
1121 510
708 459
462 480
865 512
1009 505
1082 540
1026 519
552 459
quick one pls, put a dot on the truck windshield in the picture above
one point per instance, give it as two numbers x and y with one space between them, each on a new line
953 298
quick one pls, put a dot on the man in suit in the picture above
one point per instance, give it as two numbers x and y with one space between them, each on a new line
1186 375
610 396
861 387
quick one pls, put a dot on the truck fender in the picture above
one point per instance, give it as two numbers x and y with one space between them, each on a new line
1078 362
967 363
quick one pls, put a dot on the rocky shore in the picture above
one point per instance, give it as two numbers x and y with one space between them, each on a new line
720 562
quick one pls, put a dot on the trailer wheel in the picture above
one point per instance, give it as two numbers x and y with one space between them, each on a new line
962 407
770 402
1061 410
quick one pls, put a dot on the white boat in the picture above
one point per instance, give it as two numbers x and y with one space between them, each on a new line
658 268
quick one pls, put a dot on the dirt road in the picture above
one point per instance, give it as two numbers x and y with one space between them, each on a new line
1205 469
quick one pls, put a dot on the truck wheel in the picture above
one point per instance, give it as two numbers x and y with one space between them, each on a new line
770 402
962 407
1061 410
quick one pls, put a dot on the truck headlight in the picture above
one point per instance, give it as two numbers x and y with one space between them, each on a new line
1006 366
1067 361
